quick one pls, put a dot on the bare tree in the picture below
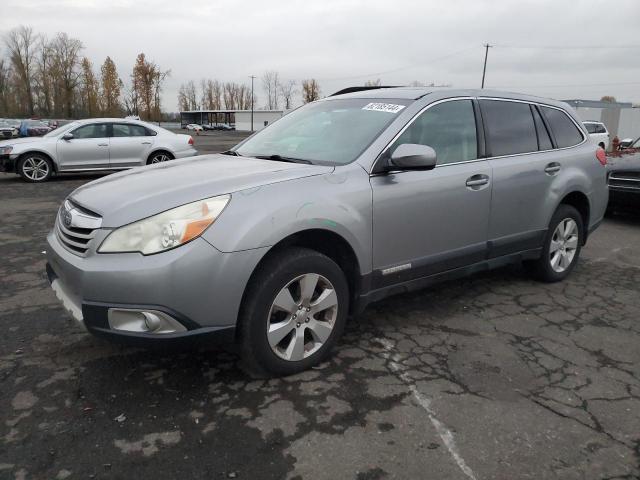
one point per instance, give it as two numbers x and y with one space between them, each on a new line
187 96
22 43
44 78
287 91
111 88
608 98
271 85
147 79
373 83
310 90
5 88
89 89
66 60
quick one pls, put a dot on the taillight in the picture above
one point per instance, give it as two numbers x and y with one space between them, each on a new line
190 140
601 156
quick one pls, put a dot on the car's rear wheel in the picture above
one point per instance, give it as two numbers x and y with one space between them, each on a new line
562 245
293 312
159 157
35 168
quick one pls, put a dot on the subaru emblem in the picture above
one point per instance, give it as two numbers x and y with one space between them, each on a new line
66 218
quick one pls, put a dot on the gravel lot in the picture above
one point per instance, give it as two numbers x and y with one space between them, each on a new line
492 377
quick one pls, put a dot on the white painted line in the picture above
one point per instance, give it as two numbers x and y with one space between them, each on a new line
445 434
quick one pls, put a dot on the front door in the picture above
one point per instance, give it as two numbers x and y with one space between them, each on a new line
89 148
426 222
130 145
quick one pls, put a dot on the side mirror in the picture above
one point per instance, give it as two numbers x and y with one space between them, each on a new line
411 156
67 136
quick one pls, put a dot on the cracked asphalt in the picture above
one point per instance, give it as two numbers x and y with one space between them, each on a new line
491 377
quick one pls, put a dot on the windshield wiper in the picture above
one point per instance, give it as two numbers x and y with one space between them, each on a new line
280 158
232 153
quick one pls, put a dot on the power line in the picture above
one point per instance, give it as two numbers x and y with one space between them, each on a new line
570 85
568 47
436 59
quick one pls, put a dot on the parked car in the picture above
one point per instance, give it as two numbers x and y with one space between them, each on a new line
342 202
33 128
7 130
627 143
599 133
224 126
624 180
194 127
90 145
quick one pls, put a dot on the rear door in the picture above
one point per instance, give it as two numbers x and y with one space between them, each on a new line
130 145
524 164
89 148
425 222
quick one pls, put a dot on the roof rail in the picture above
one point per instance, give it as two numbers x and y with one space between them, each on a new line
361 89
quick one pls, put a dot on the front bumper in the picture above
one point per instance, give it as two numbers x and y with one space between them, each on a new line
196 285
8 163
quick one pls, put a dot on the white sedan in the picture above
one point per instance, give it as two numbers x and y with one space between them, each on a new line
195 127
92 145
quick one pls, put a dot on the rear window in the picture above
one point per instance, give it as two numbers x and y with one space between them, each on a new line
591 127
564 130
509 126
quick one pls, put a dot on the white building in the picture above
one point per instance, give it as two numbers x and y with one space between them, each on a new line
241 119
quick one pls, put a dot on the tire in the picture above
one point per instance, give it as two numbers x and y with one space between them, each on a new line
301 338
34 168
159 157
561 248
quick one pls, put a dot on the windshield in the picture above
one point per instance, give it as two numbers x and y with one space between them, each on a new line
60 130
331 132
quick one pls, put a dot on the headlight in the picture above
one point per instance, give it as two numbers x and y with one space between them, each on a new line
167 229
6 150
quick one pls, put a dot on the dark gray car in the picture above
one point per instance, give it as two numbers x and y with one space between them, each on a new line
342 202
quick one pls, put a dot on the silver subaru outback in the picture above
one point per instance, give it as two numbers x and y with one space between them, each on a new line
275 243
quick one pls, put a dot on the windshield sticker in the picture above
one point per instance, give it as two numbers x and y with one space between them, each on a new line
383 107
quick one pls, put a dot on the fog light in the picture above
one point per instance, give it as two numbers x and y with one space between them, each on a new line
143 321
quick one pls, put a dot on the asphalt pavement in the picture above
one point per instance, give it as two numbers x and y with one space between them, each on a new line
491 377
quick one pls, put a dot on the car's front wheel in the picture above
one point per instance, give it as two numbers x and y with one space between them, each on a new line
35 168
562 245
293 312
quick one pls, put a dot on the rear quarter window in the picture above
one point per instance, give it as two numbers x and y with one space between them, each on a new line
564 129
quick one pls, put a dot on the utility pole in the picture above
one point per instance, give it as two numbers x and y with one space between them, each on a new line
486 54
252 77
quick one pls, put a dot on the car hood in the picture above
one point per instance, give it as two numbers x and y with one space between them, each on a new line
128 196
18 141
627 162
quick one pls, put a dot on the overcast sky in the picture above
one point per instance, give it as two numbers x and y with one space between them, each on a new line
557 48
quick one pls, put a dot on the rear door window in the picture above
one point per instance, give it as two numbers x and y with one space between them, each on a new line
600 128
129 130
564 130
509 127
591 127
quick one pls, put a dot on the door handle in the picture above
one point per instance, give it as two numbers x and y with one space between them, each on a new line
146 143
103 144
476 181
552 168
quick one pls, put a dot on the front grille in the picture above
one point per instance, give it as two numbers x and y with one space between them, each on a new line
7 134
625 180
76 236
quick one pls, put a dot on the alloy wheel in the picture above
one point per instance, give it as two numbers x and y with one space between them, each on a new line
564 244
35 168
161 157
302 317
